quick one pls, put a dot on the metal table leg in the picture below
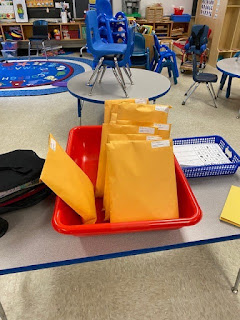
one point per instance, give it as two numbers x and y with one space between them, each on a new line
222 82
229 87
2 313
236 285
80 106
238 117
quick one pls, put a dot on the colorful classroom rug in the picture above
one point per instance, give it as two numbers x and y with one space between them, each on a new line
22 77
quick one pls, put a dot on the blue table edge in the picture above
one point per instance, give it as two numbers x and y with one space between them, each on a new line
103 101
228 73
116 255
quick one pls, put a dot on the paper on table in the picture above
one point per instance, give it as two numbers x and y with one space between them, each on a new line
231 210
200 154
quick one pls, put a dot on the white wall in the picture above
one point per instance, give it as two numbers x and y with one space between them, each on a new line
167 5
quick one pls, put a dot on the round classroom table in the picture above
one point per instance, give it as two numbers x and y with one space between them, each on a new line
147 84
229 67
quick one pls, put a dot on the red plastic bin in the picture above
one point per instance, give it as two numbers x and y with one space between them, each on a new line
178 11
83 147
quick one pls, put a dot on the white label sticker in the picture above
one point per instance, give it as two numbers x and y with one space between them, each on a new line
53 144
161 126
160 144
162 108
146 130
142 100
152 138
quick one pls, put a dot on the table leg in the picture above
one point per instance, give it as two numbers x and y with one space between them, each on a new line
80 106
222 82
236 285
238 117
2 313
229 87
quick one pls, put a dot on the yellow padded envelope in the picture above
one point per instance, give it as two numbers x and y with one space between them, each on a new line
137 112
61 174
142 185
122 137
115 128
231 210
112 106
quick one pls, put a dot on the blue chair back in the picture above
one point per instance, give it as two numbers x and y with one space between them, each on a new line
201 31
104 7
92 30
139 43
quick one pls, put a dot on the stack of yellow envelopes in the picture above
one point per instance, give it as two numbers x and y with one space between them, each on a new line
136 172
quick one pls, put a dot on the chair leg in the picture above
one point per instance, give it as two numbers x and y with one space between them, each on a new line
190 92
209 89
120 82
102 74
2 313
119 71
169 72
129 70
190 88
128 75
211 86
95 71
44 50
95 81
236 285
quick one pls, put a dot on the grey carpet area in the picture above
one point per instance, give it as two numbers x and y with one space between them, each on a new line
182 284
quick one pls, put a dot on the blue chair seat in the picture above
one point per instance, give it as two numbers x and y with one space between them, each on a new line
206 77
110 48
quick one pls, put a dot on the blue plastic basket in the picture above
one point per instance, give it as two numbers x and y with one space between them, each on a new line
211 170
181 18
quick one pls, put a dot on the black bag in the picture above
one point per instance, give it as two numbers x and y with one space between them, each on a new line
3 227
19 167
16 169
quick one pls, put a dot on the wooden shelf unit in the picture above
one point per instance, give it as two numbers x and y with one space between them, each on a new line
26 29
164 29
225 36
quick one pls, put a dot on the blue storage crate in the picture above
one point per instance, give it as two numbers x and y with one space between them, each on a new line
211 170
181 18
9 45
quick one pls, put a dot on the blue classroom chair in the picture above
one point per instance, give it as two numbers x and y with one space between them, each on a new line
198 78
164 57
140 55
112 28
113 55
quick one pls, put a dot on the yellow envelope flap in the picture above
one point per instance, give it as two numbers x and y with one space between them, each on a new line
112 106
147 113
67 180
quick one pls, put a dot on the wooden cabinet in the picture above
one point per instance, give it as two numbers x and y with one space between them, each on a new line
225 38
71 34
170 29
